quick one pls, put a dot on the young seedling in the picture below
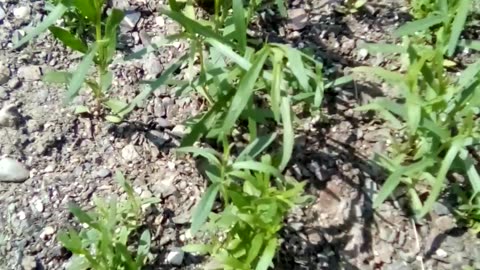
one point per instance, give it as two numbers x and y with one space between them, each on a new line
98 53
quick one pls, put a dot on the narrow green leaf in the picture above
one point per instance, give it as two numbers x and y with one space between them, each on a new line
277 77
281 8
469 75
256 166
57 77
240 25
297 67
113 119
288 133
458 25
229 53
113 21
419 25
193 26
200 249
267 255
143 247
469 166
388 76
210 154
81 72
440 178
256 147
255 247
471 44
319 88
68 39
81 215
87 8
244 92
115 105
56 14
203 209
107 79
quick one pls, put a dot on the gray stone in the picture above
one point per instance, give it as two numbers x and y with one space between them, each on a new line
440 209
2 14
12 171
163 123
14 83
397 265
157 137
130 20
297 19
102 173
175 257
130 154
30 73
179 130
121 4
152 66
9 116
4 73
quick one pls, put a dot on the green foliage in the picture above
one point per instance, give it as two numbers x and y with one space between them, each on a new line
103 244
256 199
87 15
434 120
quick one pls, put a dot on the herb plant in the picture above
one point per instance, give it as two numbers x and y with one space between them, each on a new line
256 199
434 120
103 243
98 46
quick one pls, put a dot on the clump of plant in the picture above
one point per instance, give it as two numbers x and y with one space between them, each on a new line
256 198
98 47
435 119
105 242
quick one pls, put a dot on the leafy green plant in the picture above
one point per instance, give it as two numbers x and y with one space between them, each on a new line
108 229
434 121
256 199
448 18
245 85
98 53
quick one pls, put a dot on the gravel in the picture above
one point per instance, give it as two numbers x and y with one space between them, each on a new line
12 171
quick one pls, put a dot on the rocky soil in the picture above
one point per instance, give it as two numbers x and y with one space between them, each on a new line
49 156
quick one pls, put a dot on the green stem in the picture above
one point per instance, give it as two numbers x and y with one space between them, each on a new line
203 73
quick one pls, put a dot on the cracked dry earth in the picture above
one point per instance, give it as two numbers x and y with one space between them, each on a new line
71 158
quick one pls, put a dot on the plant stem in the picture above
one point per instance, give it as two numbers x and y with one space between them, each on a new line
101 64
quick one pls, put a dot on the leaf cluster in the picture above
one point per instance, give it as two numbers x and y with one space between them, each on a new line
103 244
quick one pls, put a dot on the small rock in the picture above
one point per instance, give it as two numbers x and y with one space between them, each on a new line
21 12
441 253
2 14
50 168
160 21
9 116
362 54
29 263
163 123
38 205
157 137
47 232
130 20
444 223
397 265
152 65
4 73
297 19
121 4
102 173
179 130
175 257
296 226
12 171
130 154
30 73
14 83
440 209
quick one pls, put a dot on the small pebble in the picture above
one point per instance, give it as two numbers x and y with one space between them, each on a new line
175 257
21 12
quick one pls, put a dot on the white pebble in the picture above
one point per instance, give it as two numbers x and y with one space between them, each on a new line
21 12
175 257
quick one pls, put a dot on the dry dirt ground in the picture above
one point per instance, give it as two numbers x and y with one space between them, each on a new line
72 158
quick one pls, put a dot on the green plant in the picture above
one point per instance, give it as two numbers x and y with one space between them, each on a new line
103 244
244 85
98 53
351 6
448 18
256 199
434 119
